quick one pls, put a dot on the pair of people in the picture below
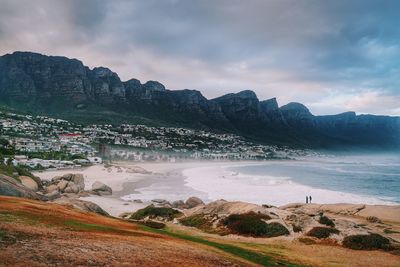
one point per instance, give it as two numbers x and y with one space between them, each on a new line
308 199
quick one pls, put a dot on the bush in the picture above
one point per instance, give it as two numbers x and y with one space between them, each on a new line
197 221
153 212
325 220
322 232
297 228
153 224
252 224
366 242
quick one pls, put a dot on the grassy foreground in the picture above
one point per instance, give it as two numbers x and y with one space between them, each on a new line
46 233
252 256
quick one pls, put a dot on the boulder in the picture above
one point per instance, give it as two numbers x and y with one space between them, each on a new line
71 188
62 184
51 188
53 195
101 188
56 179
67 176
179 204
79 181
29 183
194 202
82 205
11 187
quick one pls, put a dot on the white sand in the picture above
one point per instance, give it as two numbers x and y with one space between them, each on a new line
122 173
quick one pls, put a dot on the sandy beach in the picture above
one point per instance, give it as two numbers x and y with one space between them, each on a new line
137 182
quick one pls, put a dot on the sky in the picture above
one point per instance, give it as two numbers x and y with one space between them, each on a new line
332 56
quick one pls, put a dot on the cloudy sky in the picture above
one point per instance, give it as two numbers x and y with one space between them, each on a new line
332 56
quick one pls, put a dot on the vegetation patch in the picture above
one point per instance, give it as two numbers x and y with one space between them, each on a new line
297 228
322 232
197 221
325 220
153 224
366 242
252 224
252 256
390 231
154 212
306 240
373 219
11 237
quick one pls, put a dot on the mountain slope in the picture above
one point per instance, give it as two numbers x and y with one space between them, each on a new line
65 87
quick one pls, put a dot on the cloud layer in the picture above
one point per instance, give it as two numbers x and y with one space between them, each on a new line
331 55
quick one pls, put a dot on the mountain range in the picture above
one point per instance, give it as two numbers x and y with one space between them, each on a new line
64 87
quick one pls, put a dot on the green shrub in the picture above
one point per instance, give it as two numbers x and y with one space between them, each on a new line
153 224
296 228
322 232
153 212
252 224
197 221
325 220
366 242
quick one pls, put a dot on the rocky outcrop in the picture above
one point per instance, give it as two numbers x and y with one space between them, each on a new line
51 84
193 202
82 205
29 183
101 188
333 221
67 184
11 187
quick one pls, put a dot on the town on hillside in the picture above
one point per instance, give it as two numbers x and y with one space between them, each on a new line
41 142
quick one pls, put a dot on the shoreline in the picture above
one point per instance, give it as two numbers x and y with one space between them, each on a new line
131 181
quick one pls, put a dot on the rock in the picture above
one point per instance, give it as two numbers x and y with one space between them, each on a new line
62 184
67 177
179 204
82 205
11 187
194 202
51 188
29 183
56 179
159 201
53 195
72 188
79 181
137 201
101 188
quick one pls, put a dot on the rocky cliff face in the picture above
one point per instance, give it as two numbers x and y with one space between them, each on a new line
66 85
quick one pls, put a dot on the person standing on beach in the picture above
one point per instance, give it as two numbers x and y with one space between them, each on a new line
310 198
306 199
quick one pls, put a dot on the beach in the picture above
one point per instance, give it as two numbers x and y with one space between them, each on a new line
136 184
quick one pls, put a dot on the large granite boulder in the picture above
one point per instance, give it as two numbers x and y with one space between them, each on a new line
82 205
101 188
11 187
29 182
193 202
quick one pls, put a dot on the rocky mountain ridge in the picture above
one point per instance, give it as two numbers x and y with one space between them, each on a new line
62 86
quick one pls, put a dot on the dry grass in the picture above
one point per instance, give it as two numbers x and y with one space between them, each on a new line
42 234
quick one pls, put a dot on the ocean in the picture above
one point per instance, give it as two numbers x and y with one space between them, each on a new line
368 179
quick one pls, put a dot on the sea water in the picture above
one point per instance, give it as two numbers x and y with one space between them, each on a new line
368 179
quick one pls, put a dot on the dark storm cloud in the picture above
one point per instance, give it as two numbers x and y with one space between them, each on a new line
324 53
